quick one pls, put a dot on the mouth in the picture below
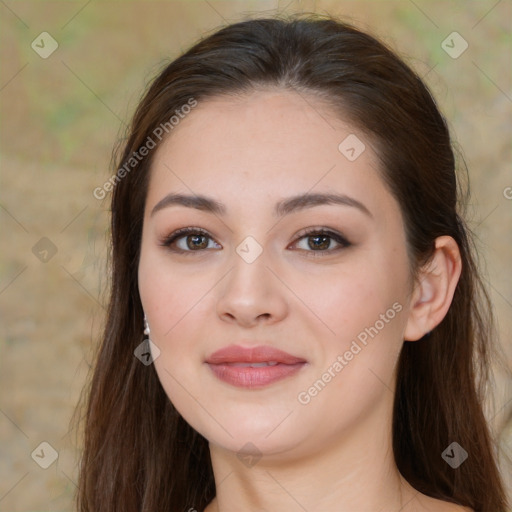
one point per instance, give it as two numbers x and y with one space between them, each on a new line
252 368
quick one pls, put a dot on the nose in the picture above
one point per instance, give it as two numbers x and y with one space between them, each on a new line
251 294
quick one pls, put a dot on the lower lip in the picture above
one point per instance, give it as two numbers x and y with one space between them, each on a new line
249 377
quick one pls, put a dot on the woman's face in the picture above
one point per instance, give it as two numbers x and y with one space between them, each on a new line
258 274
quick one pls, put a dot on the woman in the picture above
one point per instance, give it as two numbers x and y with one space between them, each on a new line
286 233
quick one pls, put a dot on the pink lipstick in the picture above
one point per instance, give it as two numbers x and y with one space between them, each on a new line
254 367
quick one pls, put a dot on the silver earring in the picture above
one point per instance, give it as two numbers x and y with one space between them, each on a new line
147 351
147 331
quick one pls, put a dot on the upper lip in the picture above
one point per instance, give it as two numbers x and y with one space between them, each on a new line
258 354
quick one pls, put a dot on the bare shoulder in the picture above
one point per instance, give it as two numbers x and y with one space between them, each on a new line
419 502
452 507
430 504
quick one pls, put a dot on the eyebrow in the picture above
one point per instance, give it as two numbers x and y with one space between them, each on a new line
282 208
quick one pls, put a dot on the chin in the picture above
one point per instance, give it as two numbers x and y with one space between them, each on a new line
262 437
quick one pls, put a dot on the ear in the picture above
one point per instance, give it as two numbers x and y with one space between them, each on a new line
434 289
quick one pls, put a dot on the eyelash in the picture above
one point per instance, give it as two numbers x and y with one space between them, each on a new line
180 233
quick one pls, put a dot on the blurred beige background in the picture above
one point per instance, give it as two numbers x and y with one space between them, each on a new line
60 117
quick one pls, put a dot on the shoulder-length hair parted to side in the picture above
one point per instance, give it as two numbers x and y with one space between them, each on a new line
139 453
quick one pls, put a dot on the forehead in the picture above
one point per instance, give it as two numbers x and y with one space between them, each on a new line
262 144
268 123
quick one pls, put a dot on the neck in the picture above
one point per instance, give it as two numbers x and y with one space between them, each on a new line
353 471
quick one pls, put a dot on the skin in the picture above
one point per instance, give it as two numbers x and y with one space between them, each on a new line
335 452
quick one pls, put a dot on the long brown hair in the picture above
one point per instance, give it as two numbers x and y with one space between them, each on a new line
139 453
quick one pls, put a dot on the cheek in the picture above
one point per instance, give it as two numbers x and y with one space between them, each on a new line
365 312
343 302
169 296
173 302
178 303
356 366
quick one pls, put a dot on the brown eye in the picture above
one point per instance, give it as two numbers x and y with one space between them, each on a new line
322 241
188 240
319 242
196 241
